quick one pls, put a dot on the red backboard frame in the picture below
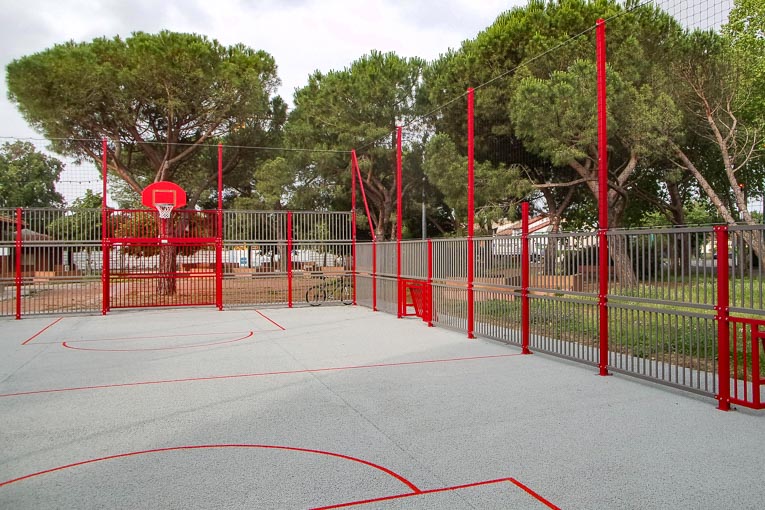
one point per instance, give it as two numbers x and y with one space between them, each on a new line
163 192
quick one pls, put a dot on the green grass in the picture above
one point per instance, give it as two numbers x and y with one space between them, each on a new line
659 331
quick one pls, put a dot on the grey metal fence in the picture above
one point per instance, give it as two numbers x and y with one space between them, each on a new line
59 257
746 269
663 302
62 261
274 257
663 296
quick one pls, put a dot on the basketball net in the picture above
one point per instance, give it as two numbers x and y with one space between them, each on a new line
165 210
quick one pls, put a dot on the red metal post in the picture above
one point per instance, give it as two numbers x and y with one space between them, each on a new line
399 171
19 252
353 254
757 380
353 230
105 244
219 236
470 213
289 259
470 161
374 275
602 196
429 288
525 269
723 317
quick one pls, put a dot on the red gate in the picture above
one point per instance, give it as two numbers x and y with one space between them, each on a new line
161 257
416 294
747 337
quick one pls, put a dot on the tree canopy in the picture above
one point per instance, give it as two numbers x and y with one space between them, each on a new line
28 177
686 117
357 107
158 98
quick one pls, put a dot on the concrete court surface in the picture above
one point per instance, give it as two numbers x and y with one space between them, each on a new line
347 408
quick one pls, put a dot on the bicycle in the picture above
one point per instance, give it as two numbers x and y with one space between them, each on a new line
334 289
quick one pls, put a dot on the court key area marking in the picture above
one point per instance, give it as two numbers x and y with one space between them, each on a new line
25 342
208 344
415 491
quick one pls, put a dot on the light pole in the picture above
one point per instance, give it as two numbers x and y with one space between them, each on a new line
424 222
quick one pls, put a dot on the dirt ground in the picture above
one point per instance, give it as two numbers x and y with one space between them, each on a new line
67 296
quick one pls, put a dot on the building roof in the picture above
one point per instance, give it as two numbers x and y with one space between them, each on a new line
31 235
9 220
536 224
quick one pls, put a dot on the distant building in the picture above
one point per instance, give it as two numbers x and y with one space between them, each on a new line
38 252
507 237
537 225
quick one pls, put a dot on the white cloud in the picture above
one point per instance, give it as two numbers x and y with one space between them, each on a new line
302 35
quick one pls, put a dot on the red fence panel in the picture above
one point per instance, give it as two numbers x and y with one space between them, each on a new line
747 361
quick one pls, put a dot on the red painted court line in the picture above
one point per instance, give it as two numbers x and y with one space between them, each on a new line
270 320
66 345
259 374
25 342
212 446
153 337
443 489
533 494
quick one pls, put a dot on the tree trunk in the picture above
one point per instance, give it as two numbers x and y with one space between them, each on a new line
752 238
619 253
168 268
550 257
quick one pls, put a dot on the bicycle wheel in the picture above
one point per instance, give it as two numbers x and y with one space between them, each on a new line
315 295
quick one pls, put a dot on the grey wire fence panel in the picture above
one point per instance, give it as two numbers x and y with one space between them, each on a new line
664 266
61 261
8 225
256 257
387 285
386 259
497 261
450 305
498 314
449 294
265 226
661 301
497 283
254 227
364 291
254 271
678 348
387 294
364 258
564 327
565 262
364 275
747 274
450 259
321 226
414 260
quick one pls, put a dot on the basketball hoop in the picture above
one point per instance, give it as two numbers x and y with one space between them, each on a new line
163 196
165 210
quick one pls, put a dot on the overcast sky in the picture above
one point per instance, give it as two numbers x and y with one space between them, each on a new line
302 35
